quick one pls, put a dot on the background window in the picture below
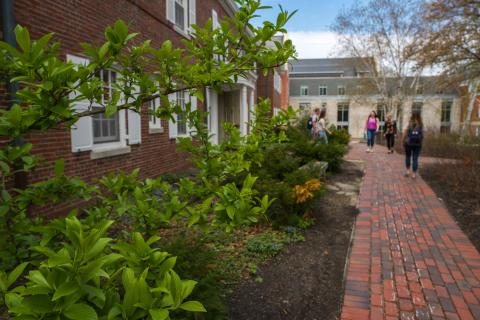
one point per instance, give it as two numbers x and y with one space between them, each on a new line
106 129
154 122
342 116
277 82
420 89
322 90
341 90
446 116
180 13
417 107
304 91
181 117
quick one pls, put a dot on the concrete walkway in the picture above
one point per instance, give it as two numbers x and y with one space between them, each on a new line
409 259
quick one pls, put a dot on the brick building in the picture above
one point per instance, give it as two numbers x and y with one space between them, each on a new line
98 145
274 85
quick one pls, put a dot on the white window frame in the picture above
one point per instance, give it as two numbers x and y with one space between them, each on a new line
189 15
322 90
302 88
343 123
103 146
154 123
173 126
344 90
304 105
446 124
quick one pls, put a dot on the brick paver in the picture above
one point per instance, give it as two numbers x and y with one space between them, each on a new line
409 259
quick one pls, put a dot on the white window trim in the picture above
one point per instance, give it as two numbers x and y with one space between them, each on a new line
193 106
301 91
320 90
344 91
155 127
187 30
107 149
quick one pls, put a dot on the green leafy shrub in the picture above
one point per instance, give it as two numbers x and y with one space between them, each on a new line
84 279
339 136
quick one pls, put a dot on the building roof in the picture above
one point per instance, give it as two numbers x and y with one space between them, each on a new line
347 67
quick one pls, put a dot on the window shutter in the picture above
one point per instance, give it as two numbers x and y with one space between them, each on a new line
172 126
82 131
193 107
134 127
171 10
192 13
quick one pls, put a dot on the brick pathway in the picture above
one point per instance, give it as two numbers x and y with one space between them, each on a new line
409 259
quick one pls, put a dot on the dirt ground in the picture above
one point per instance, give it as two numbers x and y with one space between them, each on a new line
305 281
459 187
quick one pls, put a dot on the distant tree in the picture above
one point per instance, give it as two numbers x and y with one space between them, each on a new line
382 30
449 38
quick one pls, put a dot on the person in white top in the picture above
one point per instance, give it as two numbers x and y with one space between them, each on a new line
320 126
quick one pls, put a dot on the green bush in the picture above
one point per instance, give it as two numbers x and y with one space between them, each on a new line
339 136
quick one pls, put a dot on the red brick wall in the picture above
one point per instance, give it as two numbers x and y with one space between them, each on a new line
76 21
266 89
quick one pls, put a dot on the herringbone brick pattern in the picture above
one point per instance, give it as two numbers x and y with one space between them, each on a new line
409 259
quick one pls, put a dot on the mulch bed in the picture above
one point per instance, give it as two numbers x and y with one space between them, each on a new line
305 281
458 185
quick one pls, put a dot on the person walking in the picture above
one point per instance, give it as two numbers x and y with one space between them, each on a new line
390 132
321 126
412 139
312 121
371 127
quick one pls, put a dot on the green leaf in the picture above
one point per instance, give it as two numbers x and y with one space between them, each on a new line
80 311
13 276
37 277
23 38
193 306
159 314
65 289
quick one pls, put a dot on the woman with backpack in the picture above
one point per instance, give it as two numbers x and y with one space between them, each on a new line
390 132
412 138
371 128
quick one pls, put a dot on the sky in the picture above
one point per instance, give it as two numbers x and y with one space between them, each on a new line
309 29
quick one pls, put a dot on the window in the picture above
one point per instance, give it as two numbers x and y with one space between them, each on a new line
381 116
420 89
182 13
106 129
304 90
322 90
180 9
341 90
417 107
154 122
342 116
181 117
277 82
446 117
304 106
324 105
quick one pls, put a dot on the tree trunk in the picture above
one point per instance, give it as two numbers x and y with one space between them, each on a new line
472 95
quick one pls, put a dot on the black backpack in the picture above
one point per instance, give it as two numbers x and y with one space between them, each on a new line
310 123
415 136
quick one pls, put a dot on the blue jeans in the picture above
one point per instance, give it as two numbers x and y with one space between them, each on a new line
411 156
322 135
371 137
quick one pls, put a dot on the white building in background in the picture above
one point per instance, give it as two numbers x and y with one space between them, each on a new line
340 85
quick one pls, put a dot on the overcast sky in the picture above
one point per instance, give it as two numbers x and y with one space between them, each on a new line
309 29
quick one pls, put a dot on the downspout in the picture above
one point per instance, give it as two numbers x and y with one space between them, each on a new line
8 27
